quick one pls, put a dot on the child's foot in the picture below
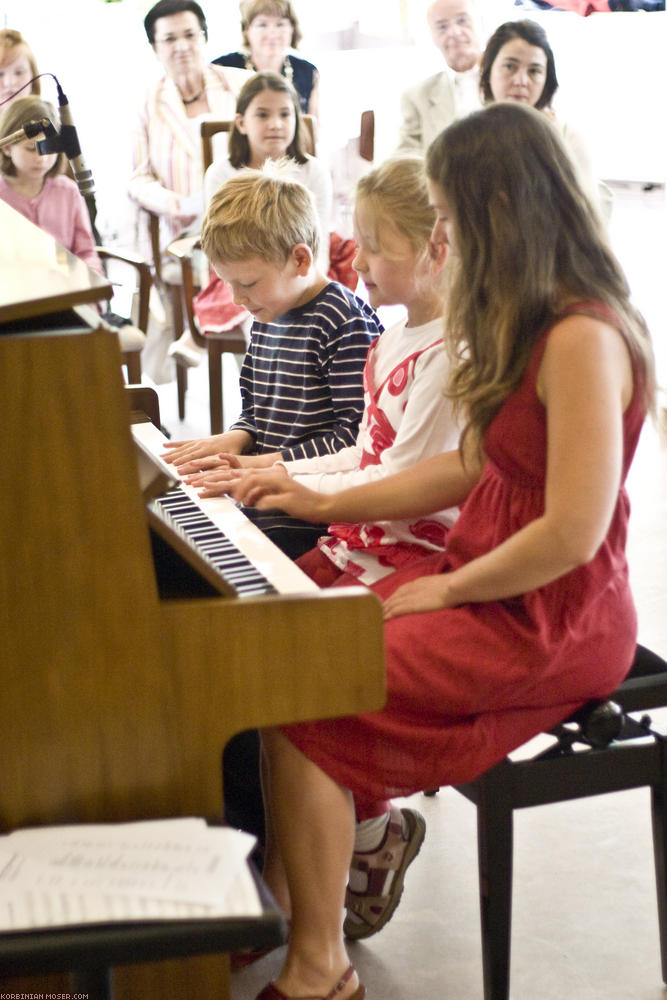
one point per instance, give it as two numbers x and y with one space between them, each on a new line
371 907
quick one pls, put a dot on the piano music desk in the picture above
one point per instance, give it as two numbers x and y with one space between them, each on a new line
38 277
115 704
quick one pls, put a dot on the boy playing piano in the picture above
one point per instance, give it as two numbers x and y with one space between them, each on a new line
301 380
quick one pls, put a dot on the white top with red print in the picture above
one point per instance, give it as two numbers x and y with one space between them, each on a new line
406 418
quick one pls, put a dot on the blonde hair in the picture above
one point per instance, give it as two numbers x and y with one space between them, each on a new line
12 45
16 114
528 241
260 213
396 195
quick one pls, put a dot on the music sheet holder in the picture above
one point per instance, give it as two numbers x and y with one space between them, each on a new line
90 953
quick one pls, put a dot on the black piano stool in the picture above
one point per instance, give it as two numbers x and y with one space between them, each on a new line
601 749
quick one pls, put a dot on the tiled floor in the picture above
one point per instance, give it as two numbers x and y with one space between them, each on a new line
585 920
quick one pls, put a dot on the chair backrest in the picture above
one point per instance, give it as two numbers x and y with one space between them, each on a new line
367 136
310 132
207 130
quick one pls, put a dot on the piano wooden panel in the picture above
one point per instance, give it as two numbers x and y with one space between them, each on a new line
115 705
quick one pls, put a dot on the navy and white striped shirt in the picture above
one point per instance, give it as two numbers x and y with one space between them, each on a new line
301 380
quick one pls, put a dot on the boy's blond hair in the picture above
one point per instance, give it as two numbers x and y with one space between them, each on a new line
260 213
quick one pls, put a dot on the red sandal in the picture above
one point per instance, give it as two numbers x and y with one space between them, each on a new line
271 992
369 911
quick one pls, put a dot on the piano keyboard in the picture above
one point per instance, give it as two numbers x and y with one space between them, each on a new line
216 537
198 530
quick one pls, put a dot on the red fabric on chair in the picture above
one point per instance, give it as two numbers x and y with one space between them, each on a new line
341 255
215 309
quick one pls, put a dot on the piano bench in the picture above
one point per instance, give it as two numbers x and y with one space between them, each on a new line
89 954
600 749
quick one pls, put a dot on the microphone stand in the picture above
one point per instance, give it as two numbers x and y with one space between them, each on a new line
66 141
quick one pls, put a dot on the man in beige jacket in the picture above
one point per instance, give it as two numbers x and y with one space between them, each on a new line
431 105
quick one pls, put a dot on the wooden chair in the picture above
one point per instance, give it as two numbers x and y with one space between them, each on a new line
215 343
367 136
208 129
133 337
181 294
172 294
600 749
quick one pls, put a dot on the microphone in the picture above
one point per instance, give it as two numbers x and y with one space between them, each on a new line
29 131
71 147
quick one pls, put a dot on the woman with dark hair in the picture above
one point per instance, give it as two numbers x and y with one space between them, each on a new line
270 28
167 165
518 65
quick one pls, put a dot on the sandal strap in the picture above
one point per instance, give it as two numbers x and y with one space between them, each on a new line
271 992
389 854
341 984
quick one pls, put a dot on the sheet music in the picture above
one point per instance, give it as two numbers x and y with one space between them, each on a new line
152 870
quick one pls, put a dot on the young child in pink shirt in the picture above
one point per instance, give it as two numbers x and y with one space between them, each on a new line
34 185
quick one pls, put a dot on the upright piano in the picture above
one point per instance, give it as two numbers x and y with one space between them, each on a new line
117 696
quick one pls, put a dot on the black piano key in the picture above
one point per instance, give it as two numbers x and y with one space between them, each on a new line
194 525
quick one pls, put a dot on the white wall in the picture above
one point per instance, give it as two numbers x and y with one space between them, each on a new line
610 67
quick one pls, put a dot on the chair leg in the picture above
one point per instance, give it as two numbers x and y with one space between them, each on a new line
181 387
132 361
494 852
659 822
215 395
177 320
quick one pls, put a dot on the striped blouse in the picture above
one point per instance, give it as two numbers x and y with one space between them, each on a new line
301 380
167 158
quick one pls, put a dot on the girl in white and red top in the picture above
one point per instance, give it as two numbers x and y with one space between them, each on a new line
406 416
34 185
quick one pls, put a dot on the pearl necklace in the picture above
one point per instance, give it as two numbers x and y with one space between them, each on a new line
287 70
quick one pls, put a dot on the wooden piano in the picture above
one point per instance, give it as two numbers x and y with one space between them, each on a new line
115 701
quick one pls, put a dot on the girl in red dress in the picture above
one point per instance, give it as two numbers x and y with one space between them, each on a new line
528 613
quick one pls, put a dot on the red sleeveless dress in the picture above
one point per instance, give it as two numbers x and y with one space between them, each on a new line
467 685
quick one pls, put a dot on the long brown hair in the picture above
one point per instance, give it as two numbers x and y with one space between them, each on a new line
528 241
238 147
